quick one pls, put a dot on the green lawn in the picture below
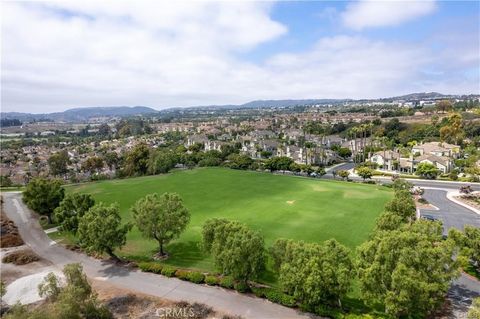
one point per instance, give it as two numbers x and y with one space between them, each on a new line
278 206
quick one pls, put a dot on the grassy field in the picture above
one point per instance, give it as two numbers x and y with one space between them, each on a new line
278 206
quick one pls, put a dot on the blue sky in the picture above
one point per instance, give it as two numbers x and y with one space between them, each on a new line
57 55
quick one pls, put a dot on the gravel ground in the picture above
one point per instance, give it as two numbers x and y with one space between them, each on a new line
25 289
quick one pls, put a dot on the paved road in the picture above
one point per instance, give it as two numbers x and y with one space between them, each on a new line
451 214
465 288
169 288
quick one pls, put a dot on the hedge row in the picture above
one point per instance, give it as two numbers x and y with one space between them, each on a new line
194 276
271 294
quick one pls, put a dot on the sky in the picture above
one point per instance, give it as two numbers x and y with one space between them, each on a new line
61 54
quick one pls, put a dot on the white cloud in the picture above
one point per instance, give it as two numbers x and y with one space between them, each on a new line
71 54
380 13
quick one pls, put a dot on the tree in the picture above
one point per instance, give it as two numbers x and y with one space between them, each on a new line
5 181
93 164
409 270
58 163
161 162
237 250
444 106
388 221
43 196
469 244
427 170
278 163
315 273
402 205
75 299
100 230
112 160
104 129
71 210
365 172
136 161
162 218
344 152
343 173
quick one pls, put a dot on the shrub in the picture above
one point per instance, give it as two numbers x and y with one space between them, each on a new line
181 274
280 297
168 271
21 257
259 292
241 286
211 280
156 268
226 282
195 277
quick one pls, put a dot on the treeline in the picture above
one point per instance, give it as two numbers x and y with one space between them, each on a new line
10 122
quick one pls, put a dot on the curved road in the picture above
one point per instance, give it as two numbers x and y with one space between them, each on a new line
453 215
169 288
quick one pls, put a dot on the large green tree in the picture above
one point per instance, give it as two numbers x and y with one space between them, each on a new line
402 205
314 273
409 270
136 161
237 250
162 218
58 163
469 243
43 196
100 230
71 209
427 170
365 172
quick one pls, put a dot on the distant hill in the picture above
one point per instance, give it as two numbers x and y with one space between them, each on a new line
81 114
285 103
85 113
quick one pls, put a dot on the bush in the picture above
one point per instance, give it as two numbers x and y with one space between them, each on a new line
195 277
275 296
156 268
280 297
211 280
21 257
227 282
181 274
241 286
168 271
259 292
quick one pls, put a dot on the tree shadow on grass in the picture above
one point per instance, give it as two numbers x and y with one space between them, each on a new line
189 255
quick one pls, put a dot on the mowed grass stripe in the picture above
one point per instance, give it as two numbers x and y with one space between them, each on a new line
278 206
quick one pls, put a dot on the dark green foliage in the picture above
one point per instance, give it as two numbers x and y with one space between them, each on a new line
409 270
71 210
316 273
237 250
241 286
136 161
43 195
161 161
280 163
227 282
100 230
58 163
162 218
